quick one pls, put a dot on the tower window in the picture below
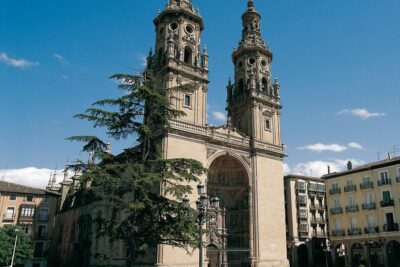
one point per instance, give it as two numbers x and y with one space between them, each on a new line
174 26
240 86
267 124
252 61
160 54
240 64
263 63
189 29
187 101
264 83
188 55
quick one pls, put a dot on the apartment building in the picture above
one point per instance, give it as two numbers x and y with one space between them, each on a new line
364 212
306 224
33 210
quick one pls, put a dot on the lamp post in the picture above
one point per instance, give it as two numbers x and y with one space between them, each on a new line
341 251
15 246
327 249
202 207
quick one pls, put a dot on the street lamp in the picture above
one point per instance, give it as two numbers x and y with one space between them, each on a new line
327 249
15 246
341 251
203 204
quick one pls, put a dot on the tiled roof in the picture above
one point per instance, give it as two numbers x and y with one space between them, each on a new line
369 166
17 188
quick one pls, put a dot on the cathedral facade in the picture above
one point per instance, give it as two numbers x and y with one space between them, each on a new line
245 156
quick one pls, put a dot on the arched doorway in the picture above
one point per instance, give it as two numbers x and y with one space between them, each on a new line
228 180
393 253
356 254
302 255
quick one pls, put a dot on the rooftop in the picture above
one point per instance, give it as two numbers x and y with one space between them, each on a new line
17 188
369 166
303 177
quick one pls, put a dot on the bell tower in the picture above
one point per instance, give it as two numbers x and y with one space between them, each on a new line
253 99
179 60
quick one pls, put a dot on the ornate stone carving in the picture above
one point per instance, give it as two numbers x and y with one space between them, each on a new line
211 151
246 158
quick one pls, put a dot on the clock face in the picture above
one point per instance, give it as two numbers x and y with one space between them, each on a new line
189 29
264 63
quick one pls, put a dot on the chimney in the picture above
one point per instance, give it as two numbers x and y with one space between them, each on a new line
349 165
329 169
389 156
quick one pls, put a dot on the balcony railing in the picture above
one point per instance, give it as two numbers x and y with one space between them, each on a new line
387 203
43 218
391 227
369 206
320 208
371 230
301 186
337 210
320 195
335 191
8 217
354 231
303 229
302 214
352 208
25 218
366 185
350 188
312 194
387 181
338 233
302 199
321 221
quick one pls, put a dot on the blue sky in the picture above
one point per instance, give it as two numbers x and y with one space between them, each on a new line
338 63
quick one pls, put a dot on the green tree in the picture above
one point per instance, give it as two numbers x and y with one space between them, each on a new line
23 250
144 189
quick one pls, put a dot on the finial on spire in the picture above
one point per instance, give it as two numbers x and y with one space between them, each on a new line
250 5
205 49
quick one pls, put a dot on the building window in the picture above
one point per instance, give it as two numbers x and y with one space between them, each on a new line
46 199
12 197
187 101
240 87
384 177
188 55
38 252
28 211
41 232
267 124
9 214
29 198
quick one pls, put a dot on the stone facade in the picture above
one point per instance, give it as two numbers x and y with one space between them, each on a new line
245 155
364 212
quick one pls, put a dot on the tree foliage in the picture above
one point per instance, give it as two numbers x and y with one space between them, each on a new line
144 189
23 249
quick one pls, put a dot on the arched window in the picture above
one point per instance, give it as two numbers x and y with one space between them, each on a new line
264 84
188 55
240 86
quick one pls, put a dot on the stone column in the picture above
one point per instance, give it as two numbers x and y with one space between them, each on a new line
251 225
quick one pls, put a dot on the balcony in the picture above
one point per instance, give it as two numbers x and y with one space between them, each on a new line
320 208
320 195
302 214
313 208
312 194
387 203
352 208
335 211
43 218
321 221
371 230
369 206
354 231
335 191
8 217
314 221
350 188
366 185
383 182
391 227
301 186
338 233
303 229
25 218
301 199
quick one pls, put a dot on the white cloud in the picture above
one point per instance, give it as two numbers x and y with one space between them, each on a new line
324 147
143 59
319 168
361 113
218 116
30 176
355 145
286 169
319 147
17 63
61 59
